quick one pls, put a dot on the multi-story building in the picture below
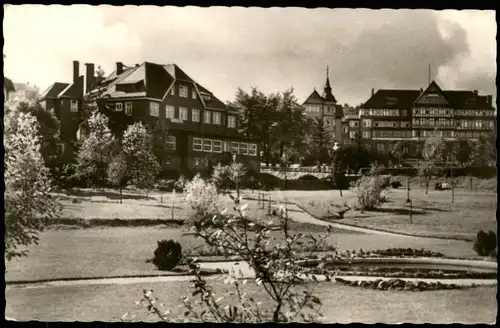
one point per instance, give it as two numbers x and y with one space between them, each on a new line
411 116
350 126
201 130
326 108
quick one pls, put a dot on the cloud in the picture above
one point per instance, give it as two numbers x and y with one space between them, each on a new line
272 48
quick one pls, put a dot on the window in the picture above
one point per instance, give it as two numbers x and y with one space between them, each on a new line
118 107
380 147
183 113
183 91
207 116
74 106
227 146
172 90
352 135
154 109
367 135
231 121
327 122
128 109
195 115
207 145
217 118
60 148
345 129
404 112
194 95
243 149
217 146
252 149
234 147
170 142
169 111
367 123
197 144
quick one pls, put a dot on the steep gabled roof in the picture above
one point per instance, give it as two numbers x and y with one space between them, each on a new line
54 90
391 98
177 73
407 98
74 90
314 97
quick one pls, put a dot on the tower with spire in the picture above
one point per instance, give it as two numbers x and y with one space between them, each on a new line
325 106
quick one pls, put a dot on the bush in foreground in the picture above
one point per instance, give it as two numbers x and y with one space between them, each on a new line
168 254
485 243
275 266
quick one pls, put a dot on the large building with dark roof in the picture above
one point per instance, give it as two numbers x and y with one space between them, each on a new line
200 129
411 116
325 107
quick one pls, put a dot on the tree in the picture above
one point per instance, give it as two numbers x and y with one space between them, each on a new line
49 136
432 153
462 152
274 121
258 117
159 142
292 125
27 199
96 150
320 141
137 147
117 172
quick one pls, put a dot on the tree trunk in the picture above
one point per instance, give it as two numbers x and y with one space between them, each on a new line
121 196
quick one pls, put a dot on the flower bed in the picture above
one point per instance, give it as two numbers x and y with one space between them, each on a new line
416 273
400 285
399 252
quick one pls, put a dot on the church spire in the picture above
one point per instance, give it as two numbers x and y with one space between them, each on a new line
327 85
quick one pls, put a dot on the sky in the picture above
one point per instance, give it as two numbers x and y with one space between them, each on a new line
273 49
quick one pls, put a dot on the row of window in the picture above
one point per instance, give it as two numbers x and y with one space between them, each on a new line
390 147
383 112
317 109
476 124
154 110
470 134
184 93
392 134
438 122
432 112
391 124
353 124
473 112
218 146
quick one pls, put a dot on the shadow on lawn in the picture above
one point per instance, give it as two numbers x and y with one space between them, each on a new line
107 194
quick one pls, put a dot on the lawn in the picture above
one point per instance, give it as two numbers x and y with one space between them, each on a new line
122 251
432 215
342 304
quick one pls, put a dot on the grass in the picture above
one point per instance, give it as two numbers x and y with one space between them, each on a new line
432 214
123 251
342 304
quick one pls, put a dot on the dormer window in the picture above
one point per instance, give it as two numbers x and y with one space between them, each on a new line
207 97
183 91
74 106
118 107
194 95
172 91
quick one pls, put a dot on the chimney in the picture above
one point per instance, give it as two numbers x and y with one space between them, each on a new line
89 77
119 68
76 70
136 65
373 91
475 92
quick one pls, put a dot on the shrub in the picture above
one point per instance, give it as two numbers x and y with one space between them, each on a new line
384 196
385 181
368 192
167 255
165 185
486 243
200 194
308 177
396 184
